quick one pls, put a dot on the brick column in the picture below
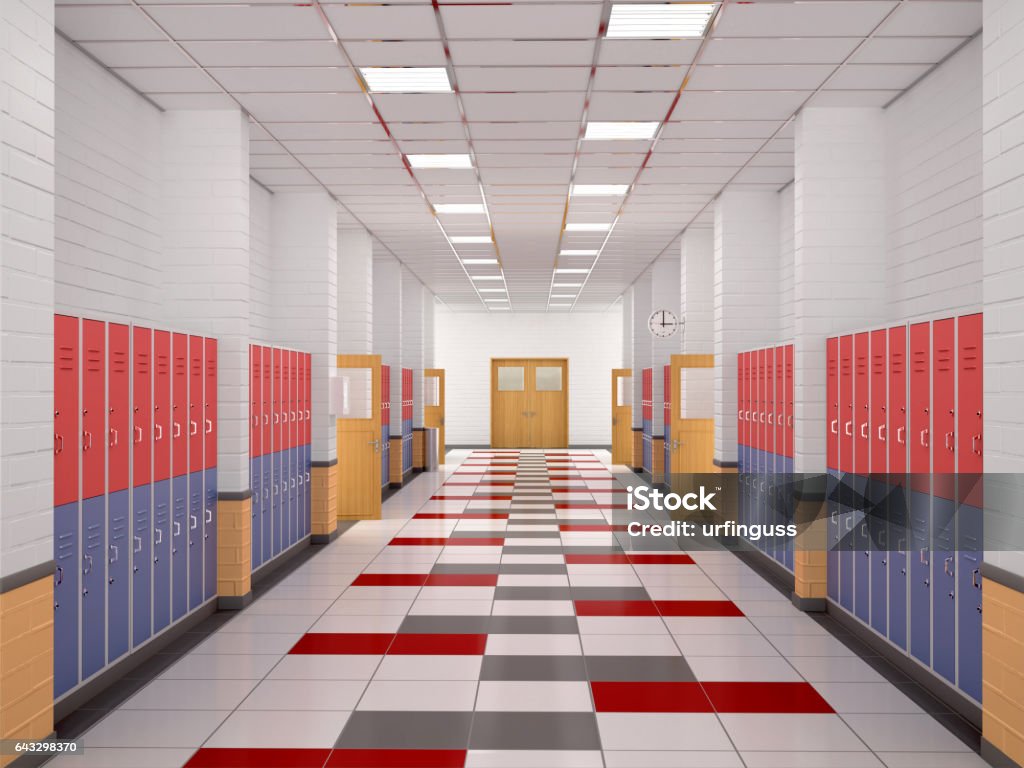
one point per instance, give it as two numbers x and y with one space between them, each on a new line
696 291
387 342
641 305
355 292
664 295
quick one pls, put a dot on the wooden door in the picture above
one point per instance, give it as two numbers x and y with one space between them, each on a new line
622 416
358 408
693 420
530 403
433 406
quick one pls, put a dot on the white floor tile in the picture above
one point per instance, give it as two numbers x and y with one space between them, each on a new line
280 729
419 695
330 695
661 731
153 728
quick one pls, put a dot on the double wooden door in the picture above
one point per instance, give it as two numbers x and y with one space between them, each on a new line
530 403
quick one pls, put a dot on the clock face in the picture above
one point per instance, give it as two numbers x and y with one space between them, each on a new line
663 323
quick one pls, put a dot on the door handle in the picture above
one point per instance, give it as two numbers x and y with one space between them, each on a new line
924 437
901 433
209 515
86 440
209 426
924 561
138 433
58 576
114 553
158 433
177 528
950 444
771 418
86 564
834 427
138 543
114 435
177 429
307 477
848 428
58 444
882 433
194 522
975 439
945 566
193 428
974 578
159 535
864 430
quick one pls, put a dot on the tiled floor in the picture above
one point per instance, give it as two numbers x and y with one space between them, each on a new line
496 621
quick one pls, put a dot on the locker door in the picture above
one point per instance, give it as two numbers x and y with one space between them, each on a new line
179 405
287 479
790 397
94 505
919 428
859 480
195 404
308 450
878 490
179 470
65 502
943 495
142 490
970 497
740 427
267 450
210 468
278 432
119 538
255 451
847 420
300 443
769 448
196 503
385 424
293 434
832 462
196 494
162 374
898 514
780 407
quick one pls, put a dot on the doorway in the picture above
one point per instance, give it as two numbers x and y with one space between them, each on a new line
433 406
622 416
530 403
358 399
690 426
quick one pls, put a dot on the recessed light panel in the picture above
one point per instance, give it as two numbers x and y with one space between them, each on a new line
620 131
563 296
567 285
440 161
660 20
599 190
487 277
491 290
406 79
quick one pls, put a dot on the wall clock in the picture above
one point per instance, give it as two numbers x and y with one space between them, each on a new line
663 323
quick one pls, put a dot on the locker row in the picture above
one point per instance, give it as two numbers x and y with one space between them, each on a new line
764 435
135 488
647 420
905 463
280 449
407 410
385 426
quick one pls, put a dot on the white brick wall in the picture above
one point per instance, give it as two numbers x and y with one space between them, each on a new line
745 294
355 292
641 303
840 252
260 289
205 205
627 328
108 195
387 327
933 157
413 294
429 307
26 283
1003 155
305 280
787 255
466 342
696 289
664 295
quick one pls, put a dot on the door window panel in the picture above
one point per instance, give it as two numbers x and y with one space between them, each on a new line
696 393
624 390
431 390
549 378
511 378
354 393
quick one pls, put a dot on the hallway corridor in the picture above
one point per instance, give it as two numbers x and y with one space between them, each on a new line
503 625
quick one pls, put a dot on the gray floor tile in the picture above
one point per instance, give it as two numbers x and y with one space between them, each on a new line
533 668
444 625
406 730
534 730
639 668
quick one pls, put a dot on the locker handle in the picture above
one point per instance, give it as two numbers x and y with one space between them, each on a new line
177 430
307 414
209 426
771 418
950 445
882 433
159 535
87 564
195 522
138 431
922 557
58 444
209 516
293 415
789 421
86 440
114 553
779 420
834 426
307 477
864 430
266 419
974 578
177 528
848 429
975 439
945 566
293 482
193 428
158 434
266 493
58 576
901 435
114 435
277 417
138 543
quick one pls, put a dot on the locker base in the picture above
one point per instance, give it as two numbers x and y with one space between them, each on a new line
967 708
765 565
300 547
406 475
995 757
809 604
79 697
325 538
234 602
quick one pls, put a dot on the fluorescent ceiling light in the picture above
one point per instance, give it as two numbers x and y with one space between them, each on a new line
563 296
596 190
500 309
567 285
406 79
577 253
440 161
660 20
487 277
571 271
620 131
479 261
460 208
587 227
471 239
491 290
505 300
559 305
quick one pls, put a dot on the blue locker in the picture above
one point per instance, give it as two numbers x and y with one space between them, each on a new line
179 547
94 588
65 598
267 507
119 547
385 454
878 529
300 490
898 563
296 516
920 577
861 549
846 539
279 504
944 589
210 534
969 558
308 464
142 563
291 487
256 483
195 539
162 557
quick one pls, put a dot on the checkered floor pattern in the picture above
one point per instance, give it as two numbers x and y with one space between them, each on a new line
508 624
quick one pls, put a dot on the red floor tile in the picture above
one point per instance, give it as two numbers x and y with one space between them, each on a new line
390 580
642 559
649 697
491 541
588 528
616 608
697 608
397 758
597 559
208 757
479 497
460 516
588 505
417 541
462 580
779 698
411 644
342 642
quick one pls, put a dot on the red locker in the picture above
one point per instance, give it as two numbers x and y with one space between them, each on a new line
309 400
210 402
195 403
65 409
119 373
897 429
832 402
255 405
179 404
745 404
278 401
161 405
287 410
142 405
300 398
879 402
94 346
861 406
267 417
294 394
847 417
944 407
759 401
780 401
790 398
740 400
970 394
920 404
769 400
